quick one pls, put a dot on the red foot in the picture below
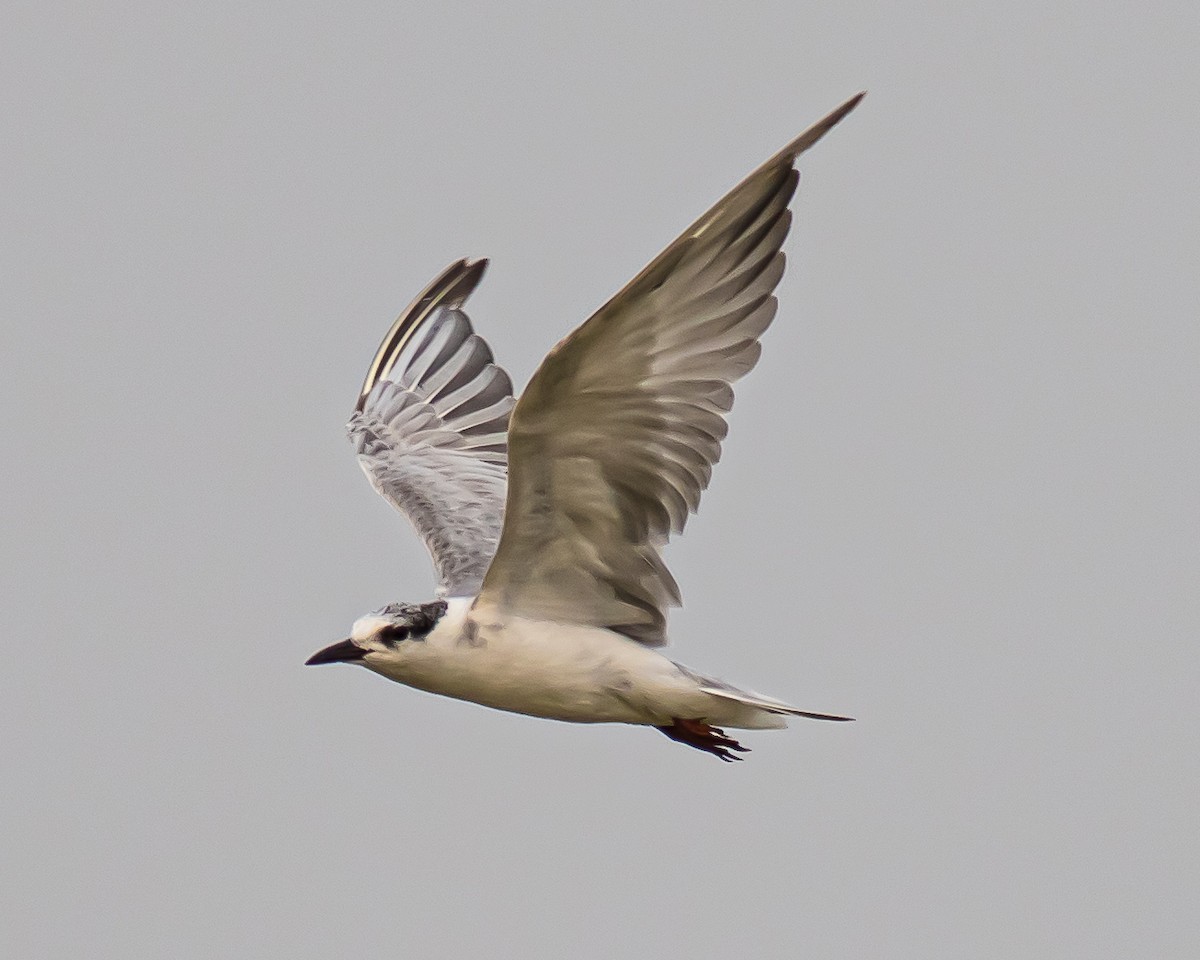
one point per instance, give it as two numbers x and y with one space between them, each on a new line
698 734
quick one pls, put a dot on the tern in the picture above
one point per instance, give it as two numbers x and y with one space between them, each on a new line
546 516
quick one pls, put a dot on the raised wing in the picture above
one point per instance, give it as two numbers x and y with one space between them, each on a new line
614 439
429 429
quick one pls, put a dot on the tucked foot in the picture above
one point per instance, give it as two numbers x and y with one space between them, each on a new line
698 734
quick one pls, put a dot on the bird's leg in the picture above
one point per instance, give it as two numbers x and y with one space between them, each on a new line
698 734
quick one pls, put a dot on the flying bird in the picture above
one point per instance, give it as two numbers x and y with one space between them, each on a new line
546 516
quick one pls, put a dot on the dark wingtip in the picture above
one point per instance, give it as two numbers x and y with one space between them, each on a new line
844 109
449 288
814 133
466 282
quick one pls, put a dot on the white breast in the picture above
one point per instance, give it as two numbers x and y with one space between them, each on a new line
560 671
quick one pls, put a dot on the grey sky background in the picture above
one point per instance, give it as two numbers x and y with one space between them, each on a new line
958 500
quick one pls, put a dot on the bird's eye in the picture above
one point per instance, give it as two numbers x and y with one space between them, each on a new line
393 635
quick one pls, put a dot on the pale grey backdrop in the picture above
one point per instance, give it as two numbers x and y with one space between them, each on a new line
958 500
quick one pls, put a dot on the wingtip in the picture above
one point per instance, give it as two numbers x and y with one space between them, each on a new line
454 284
818 130
470 272
450 288
839 112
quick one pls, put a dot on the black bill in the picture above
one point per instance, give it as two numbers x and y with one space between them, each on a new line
347 651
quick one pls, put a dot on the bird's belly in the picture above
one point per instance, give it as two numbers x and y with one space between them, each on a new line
559 671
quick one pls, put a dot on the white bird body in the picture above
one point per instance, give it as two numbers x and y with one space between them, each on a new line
559 671
546 516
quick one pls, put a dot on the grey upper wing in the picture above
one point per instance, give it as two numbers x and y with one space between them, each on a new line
614 439
430 428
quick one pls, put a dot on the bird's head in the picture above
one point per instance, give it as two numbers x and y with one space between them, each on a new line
383 633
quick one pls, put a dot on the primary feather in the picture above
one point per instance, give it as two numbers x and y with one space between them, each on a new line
614 440
430 429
